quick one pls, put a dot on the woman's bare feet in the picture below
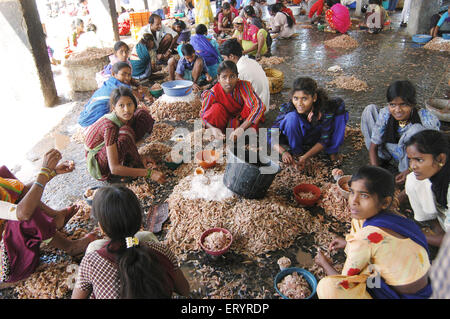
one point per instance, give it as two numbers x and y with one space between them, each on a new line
72 247
63 216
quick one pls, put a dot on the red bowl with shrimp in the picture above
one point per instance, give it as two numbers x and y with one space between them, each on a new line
307 188
215 252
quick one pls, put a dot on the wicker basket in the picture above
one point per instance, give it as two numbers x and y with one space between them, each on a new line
276 80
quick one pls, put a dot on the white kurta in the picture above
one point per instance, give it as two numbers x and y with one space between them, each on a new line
423 201
250 70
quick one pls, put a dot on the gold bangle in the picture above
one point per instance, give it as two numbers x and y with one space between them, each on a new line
51 172
45 174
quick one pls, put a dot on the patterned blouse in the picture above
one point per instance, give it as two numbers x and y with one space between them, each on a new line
101 277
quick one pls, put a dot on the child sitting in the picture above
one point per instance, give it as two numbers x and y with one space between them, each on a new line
427 186
121 54
130 264
387 254
192 67
309 123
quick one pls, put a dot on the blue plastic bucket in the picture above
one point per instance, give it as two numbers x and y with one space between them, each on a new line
177 88
385 4
308 276
446 36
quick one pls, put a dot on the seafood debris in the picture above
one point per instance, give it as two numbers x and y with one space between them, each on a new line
217 240
161 132
342 41
90 193
269 61
156 87
438 44
165 108
294 286
349 83
306 195
284 262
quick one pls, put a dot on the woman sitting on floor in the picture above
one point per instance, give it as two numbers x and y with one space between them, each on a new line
130 264
375 16
110 142
98 104
387 254
231 103
386 131
427 186
309 123
338 16
32 222
281 24
255 39
143 58
205 48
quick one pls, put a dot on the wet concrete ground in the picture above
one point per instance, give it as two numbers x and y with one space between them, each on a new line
379 60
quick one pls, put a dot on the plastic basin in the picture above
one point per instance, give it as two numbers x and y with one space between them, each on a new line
342 183
421 38
207 158
446 36
307 188
312 281
215 252
177 88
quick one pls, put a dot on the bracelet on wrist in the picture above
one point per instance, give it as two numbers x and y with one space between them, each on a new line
39 184
50 171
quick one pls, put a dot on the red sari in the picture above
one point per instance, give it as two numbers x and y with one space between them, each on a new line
223 110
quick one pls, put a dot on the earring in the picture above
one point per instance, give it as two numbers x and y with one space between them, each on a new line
441 164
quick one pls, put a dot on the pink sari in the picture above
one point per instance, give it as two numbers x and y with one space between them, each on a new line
339 18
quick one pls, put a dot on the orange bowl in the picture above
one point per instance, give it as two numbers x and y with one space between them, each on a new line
307 188
207 158
217 252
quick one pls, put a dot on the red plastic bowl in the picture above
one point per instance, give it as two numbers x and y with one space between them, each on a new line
207 158
216 252
307 188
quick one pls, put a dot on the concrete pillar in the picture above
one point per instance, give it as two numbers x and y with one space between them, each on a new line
358 8
420 15
28 78
104 15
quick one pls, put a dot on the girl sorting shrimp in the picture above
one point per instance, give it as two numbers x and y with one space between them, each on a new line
386 131
387 254
309 123
110 142
427 186
129 265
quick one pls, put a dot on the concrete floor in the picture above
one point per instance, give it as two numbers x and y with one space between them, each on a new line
379 60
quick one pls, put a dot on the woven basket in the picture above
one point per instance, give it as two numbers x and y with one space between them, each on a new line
276 80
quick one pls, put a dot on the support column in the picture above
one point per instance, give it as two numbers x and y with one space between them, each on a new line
104 15
420 15
28 77
358 8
